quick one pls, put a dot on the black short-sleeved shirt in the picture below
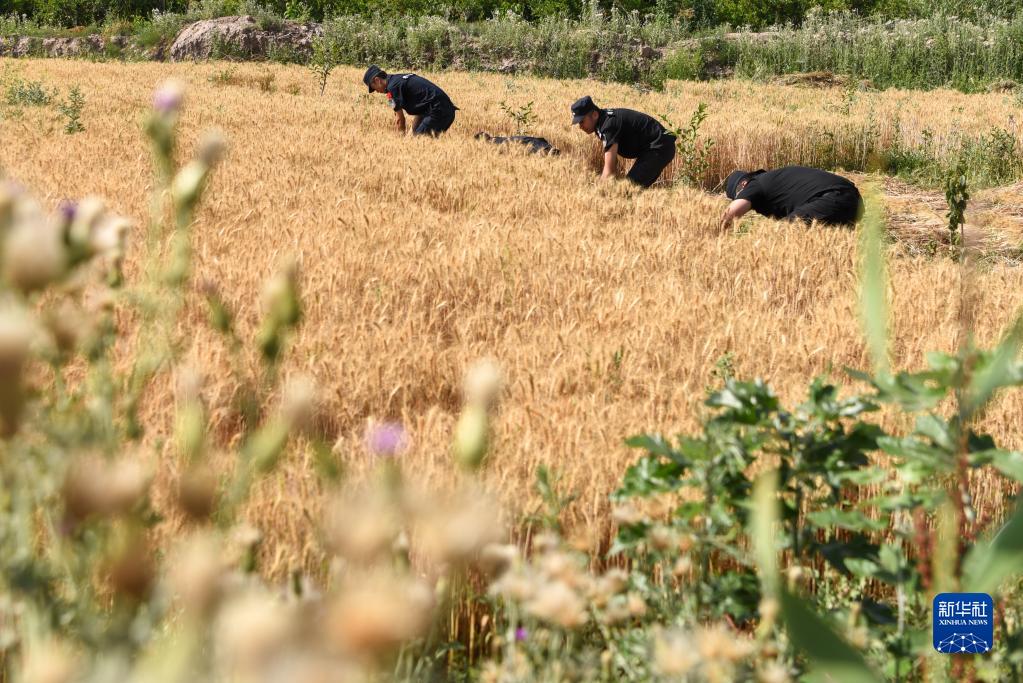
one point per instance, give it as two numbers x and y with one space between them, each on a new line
777 193
635 132
414 94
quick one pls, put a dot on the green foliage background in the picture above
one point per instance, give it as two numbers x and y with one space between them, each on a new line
699 13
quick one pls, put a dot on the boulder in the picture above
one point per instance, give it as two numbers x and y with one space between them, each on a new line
1003 85
22 47
648 52
242 37
71 47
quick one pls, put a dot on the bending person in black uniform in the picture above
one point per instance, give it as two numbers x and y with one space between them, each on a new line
628 134
794 193
431 109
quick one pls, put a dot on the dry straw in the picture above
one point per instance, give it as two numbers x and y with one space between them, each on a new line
605 307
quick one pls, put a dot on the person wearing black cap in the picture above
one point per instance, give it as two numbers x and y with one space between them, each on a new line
628 134
793 193
431 109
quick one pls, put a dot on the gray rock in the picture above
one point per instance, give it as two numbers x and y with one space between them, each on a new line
242 37
22 47
70 47
648 52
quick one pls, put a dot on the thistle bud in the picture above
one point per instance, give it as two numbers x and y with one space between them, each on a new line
212 148
662 538
251 631
127 482
483 383
9 194
196 573
299 404
374 619
627 515
362 528
197 493
683 567
243 544
636 605
472 435
34 255
16 335
188 184
497 559
674 654
108 239
454 531
95 487
557 603
130 570
282 310
84 219
68 325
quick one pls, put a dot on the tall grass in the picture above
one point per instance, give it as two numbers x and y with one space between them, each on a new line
602 44
629 47
924 53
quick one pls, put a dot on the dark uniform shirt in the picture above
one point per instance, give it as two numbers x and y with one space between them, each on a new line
635 132
415 95
779 192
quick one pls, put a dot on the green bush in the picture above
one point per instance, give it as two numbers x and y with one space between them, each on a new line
28 93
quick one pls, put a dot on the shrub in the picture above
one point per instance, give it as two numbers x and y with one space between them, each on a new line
323 62
693 152
28 93
72 111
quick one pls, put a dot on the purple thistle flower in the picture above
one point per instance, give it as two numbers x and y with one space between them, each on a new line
520 634
167 98
386 439
67 209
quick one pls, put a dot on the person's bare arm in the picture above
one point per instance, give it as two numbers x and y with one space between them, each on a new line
414 123
610 162
735 210
399 120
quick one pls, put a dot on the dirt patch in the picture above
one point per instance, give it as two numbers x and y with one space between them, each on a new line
917 220
823 79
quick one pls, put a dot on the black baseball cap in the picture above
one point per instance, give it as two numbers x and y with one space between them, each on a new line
736 177
372 72
582 107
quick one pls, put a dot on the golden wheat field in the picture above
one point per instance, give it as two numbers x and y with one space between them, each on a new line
605 306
